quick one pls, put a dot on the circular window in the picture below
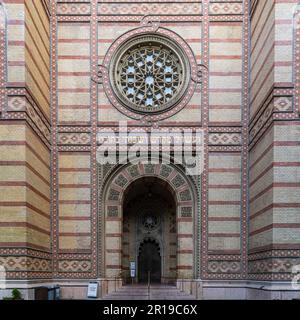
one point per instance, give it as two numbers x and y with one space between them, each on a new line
149 221
149 74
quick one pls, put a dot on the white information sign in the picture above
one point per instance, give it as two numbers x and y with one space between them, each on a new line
132 265
92 290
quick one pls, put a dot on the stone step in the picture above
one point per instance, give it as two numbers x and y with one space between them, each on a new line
140 292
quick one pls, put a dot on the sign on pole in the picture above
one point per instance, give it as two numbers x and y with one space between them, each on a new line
132 269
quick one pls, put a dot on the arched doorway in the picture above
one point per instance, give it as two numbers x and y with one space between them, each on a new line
149 261
125 188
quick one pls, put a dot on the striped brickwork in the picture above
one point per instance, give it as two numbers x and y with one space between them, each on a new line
224 203
16 73
225 65
74 202
73 81
262 52
59 205
25 229
25 188
274 145
37 54
82 33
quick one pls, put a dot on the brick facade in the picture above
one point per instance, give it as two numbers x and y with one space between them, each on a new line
241 217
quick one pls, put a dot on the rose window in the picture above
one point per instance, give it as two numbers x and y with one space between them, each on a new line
149 74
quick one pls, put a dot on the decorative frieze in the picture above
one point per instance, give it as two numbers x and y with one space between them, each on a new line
178 181
165 171
224 266
23 263
74 138
149 168
185 195
121 180
133 171
16 103
113 195
74 265
282 104
273 265
227 8
186 212
37 119
71 8
171 8
225 139
112 211
279 103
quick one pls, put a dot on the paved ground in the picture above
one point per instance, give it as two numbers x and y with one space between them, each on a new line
141 292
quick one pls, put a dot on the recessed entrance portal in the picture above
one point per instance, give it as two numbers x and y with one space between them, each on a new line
149 237
149 261
143 202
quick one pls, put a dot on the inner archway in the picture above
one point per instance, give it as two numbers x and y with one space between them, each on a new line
149 261
149 238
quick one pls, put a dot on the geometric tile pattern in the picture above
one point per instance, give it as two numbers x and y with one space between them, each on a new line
113 195
185 195
74 265
216 8
25 252
112 211
36 118
273 265
74 138
73 8
121 181
171 8
279 104
178 181
15 263
225 139
263 119
224 266
16 103
283 104
186 212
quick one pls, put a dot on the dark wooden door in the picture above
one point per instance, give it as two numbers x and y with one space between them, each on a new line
149 260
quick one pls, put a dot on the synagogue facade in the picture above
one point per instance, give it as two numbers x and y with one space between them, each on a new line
77 76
